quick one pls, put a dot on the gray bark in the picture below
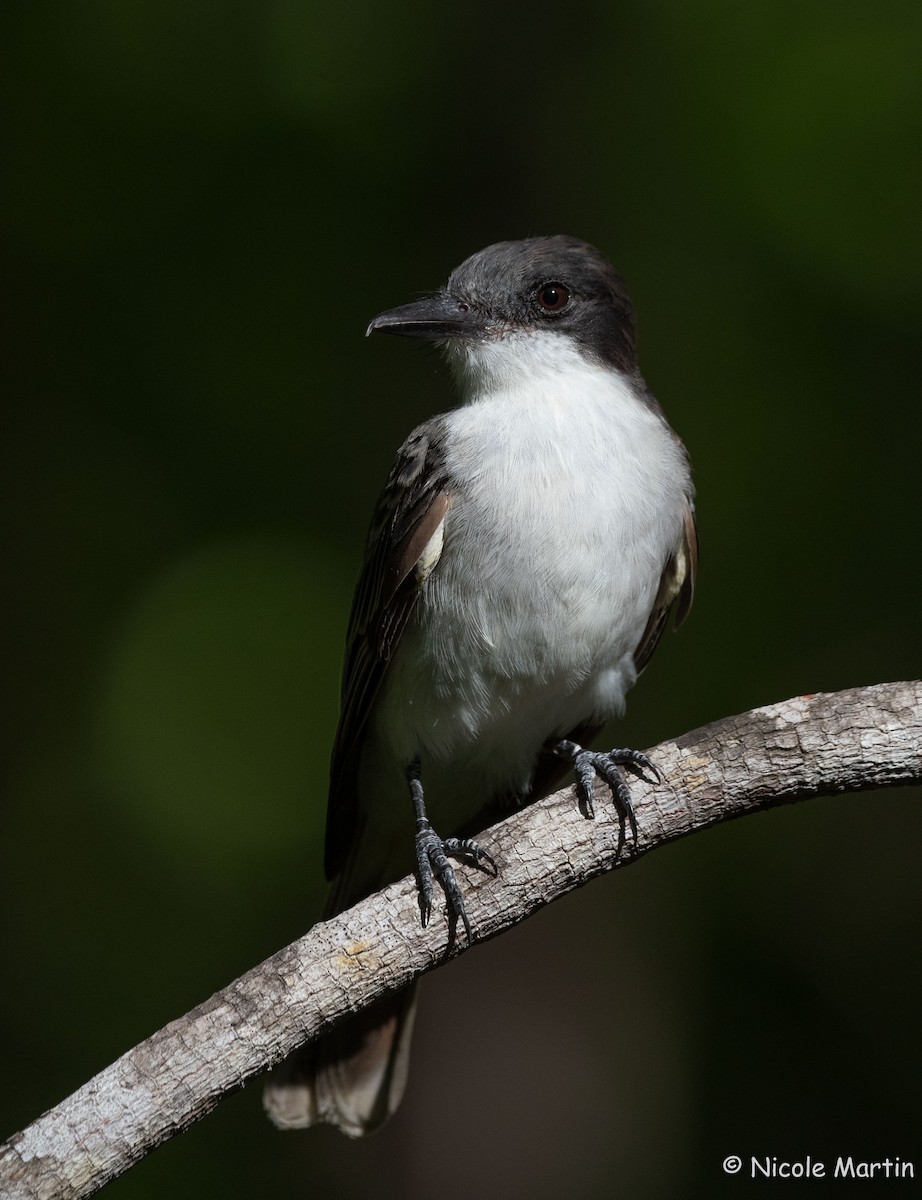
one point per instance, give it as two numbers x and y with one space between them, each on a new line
857 740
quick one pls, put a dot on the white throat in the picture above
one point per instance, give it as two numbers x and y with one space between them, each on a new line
518 361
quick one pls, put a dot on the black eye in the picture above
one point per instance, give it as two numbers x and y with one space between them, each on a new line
553 297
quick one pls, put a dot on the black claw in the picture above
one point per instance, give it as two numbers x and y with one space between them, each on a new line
424 874
587 764
468 848
637 763
585 780
432 861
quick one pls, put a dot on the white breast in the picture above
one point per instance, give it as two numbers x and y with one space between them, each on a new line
569 494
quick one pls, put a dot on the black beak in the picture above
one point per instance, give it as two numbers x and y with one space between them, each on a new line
436 318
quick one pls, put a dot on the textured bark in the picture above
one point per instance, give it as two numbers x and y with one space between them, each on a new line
848 741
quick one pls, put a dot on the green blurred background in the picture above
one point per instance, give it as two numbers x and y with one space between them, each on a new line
203 205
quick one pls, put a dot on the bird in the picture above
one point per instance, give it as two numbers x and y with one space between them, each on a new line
521 565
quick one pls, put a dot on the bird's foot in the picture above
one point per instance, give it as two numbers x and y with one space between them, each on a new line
432 861
587 764
432 853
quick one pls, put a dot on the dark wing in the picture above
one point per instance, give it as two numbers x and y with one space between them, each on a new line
409 512
676 583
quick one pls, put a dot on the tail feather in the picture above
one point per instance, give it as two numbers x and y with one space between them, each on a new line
354 1078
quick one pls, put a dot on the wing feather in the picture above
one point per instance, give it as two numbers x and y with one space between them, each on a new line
398 558
676 586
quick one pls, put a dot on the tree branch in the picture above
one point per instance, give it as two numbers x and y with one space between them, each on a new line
856 740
